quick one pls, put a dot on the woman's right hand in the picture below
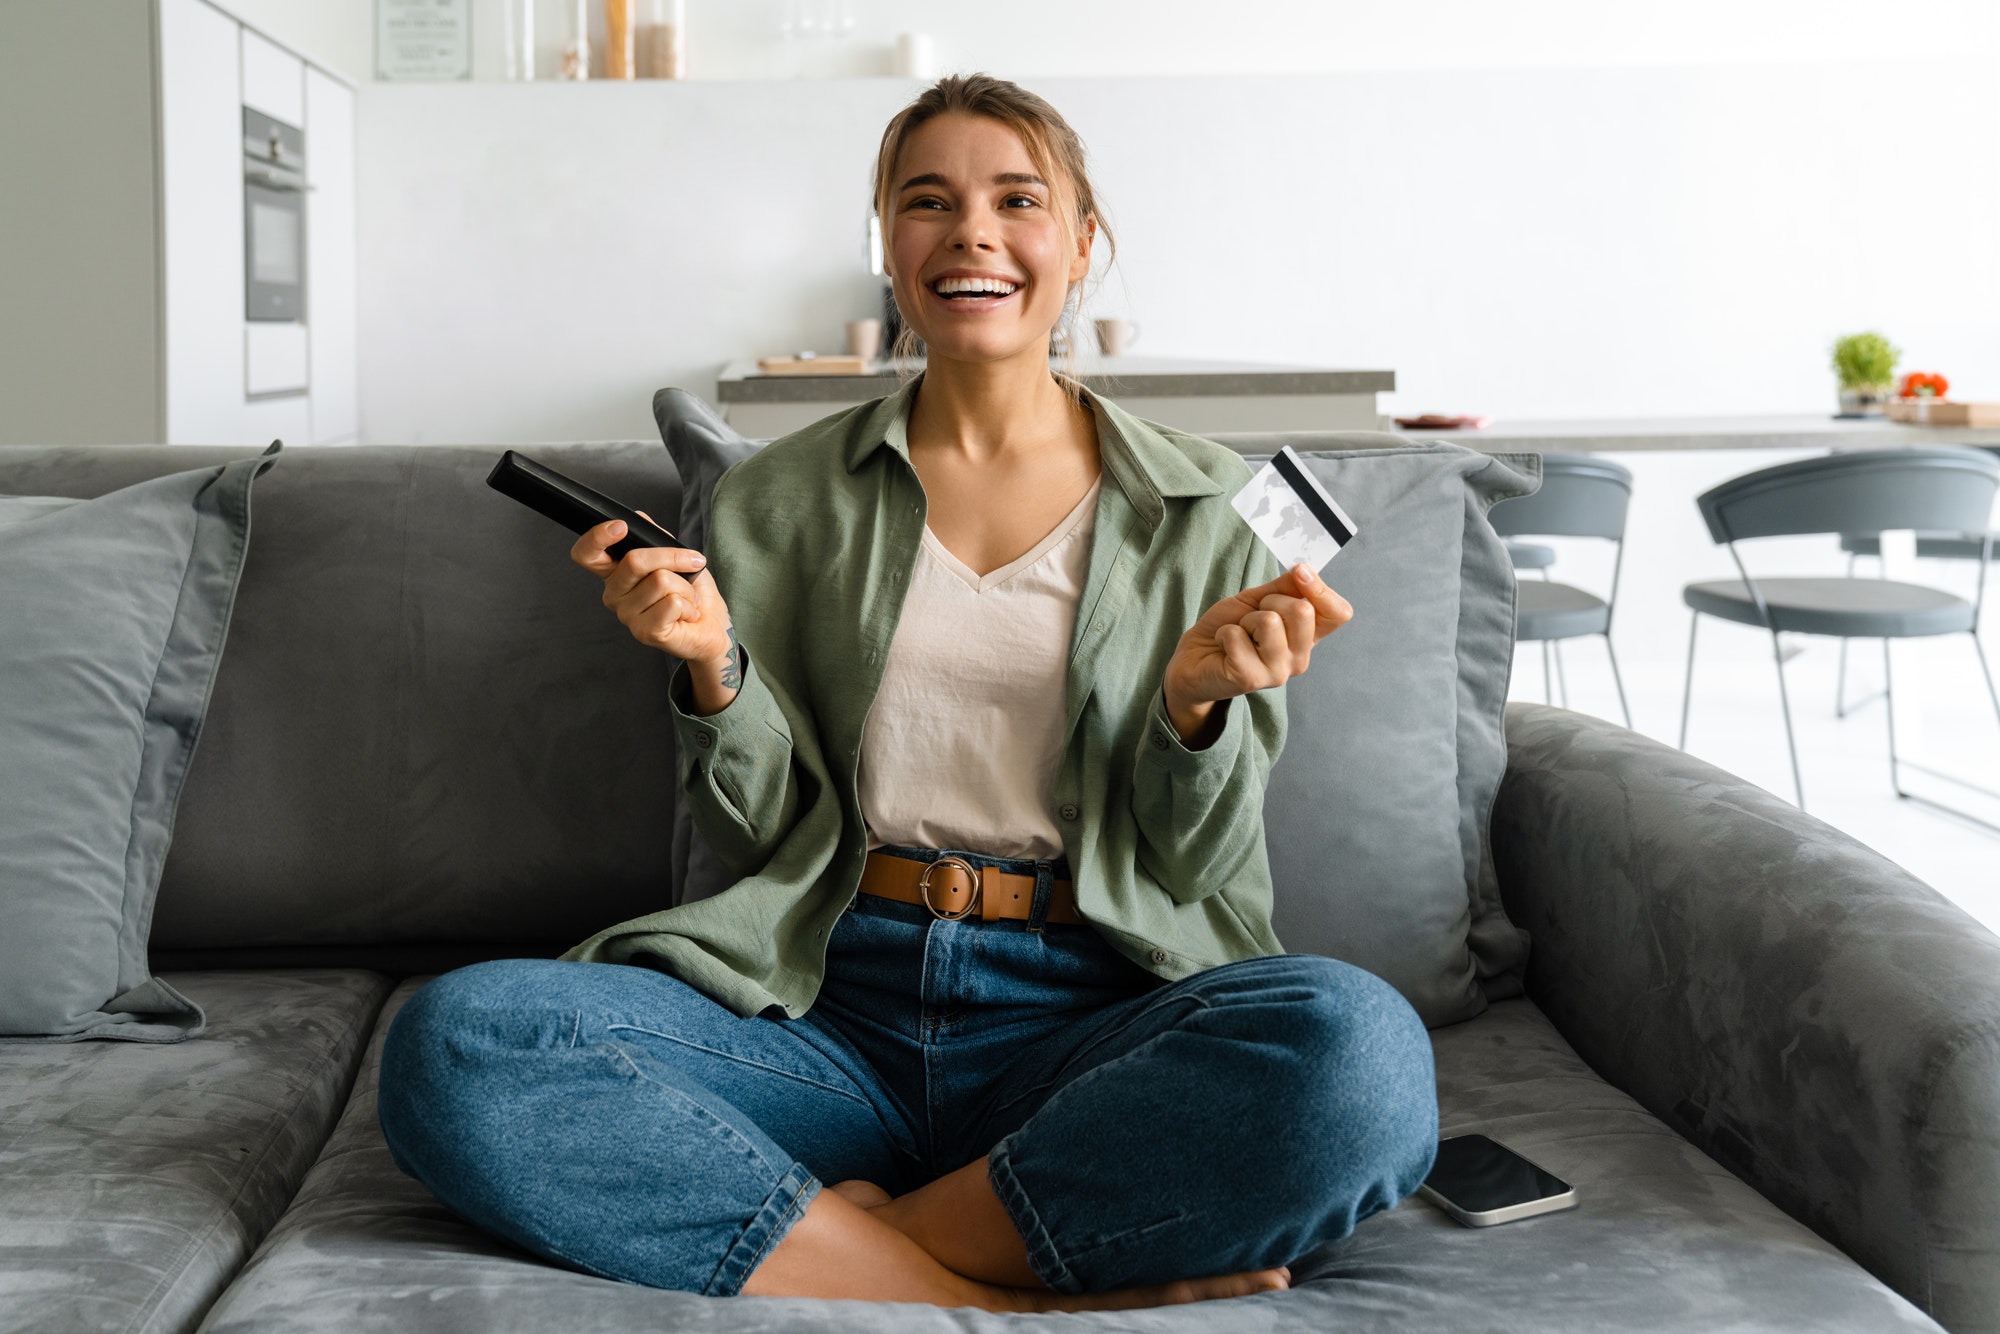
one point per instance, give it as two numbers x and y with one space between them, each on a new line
664 595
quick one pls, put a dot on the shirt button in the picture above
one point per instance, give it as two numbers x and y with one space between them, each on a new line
1159 956
1159 741
1070 812
704 740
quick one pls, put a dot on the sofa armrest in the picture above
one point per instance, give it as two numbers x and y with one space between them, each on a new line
1804 1010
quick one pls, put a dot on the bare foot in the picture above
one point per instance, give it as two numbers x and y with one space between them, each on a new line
842 1248
1163 1294
864 1193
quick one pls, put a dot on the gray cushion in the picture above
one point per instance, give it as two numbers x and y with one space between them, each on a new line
1863 608
1664 1240
1544 609
113 613
703 447
137 1179
427 727
1376 814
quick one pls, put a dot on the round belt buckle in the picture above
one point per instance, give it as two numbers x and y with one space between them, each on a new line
924 888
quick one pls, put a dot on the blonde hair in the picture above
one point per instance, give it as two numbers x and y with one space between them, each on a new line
1052 146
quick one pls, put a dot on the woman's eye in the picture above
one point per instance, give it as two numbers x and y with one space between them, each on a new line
1029 200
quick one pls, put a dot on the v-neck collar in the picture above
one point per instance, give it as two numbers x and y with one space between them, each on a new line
1136 457
992 579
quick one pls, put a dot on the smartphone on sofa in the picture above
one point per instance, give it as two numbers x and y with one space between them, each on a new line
1481 1182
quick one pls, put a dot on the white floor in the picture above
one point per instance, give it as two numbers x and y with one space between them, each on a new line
1944 719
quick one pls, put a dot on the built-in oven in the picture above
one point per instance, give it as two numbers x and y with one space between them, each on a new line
274 218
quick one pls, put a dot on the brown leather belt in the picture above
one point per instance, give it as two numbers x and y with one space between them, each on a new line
956 890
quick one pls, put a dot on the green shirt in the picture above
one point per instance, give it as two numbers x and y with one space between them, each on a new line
811 542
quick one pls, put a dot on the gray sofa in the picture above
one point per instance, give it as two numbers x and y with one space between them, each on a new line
1769 1059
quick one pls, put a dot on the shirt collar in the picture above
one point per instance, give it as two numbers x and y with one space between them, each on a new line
1146 465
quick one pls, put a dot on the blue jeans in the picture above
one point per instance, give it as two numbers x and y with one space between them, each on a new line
618 1121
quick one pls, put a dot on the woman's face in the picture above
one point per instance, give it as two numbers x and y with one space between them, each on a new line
970 211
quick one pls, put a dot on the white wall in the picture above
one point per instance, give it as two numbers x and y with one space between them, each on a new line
745 39
537 259
1062 38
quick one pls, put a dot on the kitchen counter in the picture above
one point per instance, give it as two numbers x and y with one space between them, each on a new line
1705 433
1192 394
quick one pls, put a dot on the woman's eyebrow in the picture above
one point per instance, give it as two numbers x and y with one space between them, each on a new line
1004 178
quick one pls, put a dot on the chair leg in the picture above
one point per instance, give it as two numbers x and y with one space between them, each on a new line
1548 679
1687 691
1562 678
1987 672
1889 702
1897 764
1842 706
1785 704
1618 680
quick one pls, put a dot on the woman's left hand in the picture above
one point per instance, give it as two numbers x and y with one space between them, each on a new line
1252 640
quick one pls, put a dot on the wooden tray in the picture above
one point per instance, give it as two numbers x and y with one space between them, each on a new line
1942 412
828 365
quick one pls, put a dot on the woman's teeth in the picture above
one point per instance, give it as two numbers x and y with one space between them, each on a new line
973 289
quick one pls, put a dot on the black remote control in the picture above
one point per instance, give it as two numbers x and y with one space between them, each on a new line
574 505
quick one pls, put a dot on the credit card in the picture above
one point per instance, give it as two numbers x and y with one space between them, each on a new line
1286 506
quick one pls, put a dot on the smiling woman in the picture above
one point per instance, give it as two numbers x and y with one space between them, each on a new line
995 1015
1051 185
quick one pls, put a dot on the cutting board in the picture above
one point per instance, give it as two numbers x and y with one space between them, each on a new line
1943 412
828 365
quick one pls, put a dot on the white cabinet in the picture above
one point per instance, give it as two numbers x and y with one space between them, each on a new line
201 222
123 304
330 276
274 80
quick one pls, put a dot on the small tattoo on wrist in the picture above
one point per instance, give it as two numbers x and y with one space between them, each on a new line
732 671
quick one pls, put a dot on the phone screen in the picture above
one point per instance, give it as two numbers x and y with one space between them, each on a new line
1479 1175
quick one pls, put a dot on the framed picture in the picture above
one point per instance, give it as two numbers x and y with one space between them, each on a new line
423 40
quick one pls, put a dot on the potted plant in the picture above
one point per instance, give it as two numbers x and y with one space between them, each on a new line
1866 365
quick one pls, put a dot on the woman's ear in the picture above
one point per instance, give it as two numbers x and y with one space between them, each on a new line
1079 264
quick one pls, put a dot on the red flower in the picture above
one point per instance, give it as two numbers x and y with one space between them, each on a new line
1924 384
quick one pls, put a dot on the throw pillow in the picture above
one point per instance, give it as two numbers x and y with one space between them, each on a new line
1376 814
113 613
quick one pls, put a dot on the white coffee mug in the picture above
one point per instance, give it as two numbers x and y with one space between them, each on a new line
864 338
1114 337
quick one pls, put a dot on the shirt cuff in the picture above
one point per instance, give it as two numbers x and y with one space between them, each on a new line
746 721
1163 740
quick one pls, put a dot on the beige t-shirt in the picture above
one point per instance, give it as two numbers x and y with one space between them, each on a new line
961 745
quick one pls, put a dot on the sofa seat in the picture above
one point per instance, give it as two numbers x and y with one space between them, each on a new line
1665 1239
136 1179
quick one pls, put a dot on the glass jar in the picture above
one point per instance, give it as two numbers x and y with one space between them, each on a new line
576 40
519 22
662 43
619 62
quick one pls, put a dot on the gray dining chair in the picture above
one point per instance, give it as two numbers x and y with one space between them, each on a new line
1930 546
1582 495
1531 556
1944 489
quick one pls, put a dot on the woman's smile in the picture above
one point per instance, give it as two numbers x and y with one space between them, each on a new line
970 291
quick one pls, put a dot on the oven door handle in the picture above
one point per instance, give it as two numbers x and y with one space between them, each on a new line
270 180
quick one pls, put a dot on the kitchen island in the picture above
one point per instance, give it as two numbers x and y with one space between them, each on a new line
1194 395
1677 434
